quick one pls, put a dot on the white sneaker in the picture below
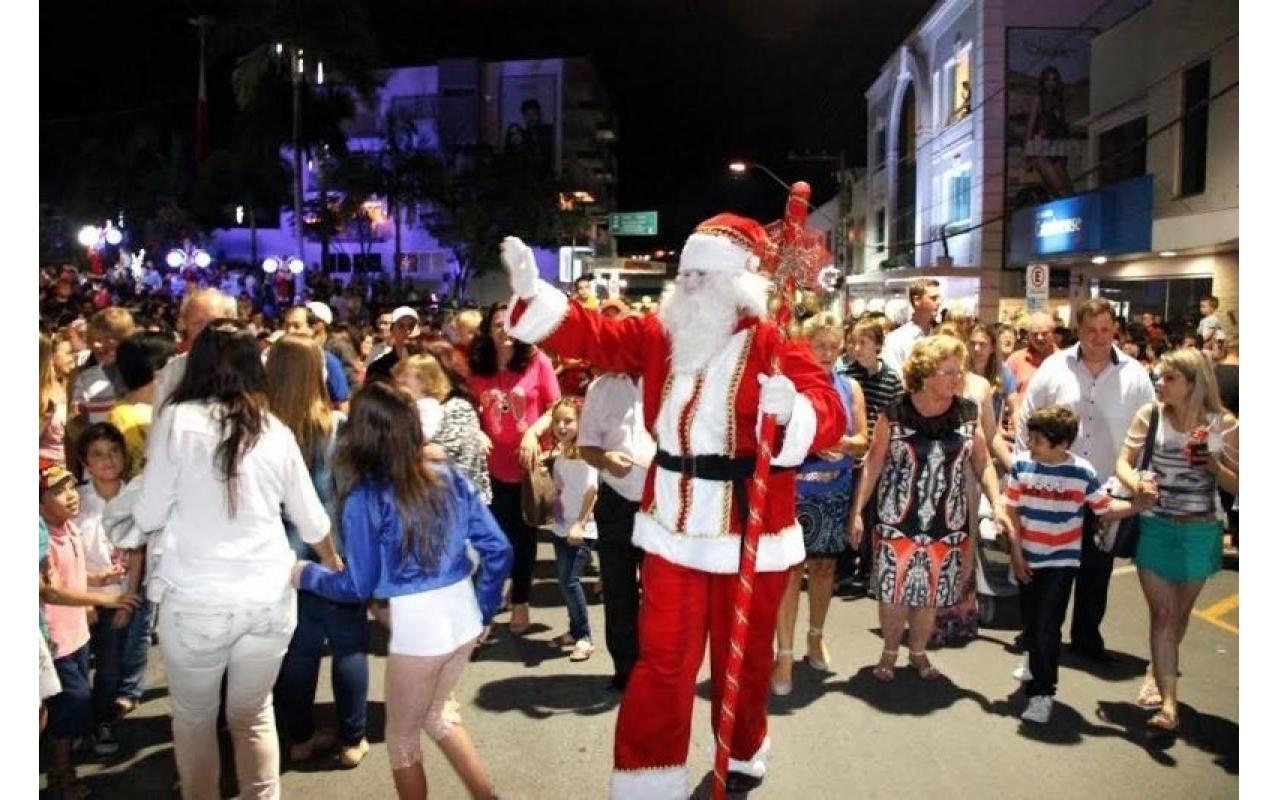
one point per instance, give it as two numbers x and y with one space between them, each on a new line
1022 672
1038 709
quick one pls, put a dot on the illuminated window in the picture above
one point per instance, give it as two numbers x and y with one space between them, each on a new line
959 185
959 87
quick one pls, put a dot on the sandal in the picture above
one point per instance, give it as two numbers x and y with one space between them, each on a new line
1149 694
884 672
823 662
780 688
926 671
1164 721
519 619
64 785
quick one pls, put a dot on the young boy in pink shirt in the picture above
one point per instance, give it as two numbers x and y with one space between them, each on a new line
64 599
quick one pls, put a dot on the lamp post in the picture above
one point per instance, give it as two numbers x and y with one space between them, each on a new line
741 168
843 198
187 256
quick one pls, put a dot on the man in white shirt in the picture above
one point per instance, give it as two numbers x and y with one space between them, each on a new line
925 296
197 311
612 438
1105 388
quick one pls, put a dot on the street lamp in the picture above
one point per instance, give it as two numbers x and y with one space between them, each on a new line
272 264
741 167
187 256
92 237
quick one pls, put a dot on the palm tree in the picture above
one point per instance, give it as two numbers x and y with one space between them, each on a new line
284 45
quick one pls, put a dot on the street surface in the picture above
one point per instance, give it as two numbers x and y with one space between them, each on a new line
544 725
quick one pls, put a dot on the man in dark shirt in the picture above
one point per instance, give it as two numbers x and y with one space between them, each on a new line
404 326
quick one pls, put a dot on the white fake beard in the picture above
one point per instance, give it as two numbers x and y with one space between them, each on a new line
700 320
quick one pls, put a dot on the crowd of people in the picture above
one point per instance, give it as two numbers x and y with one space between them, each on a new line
246 477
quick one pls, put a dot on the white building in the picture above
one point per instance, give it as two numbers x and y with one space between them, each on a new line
949 139
455 104
1164 103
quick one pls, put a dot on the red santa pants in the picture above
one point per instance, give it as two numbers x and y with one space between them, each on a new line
680 606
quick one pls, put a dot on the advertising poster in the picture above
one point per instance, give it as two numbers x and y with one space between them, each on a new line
528 118
1047 99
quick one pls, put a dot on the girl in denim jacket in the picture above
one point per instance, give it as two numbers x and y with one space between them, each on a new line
405 524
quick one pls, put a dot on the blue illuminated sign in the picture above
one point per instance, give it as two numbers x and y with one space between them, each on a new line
1114 219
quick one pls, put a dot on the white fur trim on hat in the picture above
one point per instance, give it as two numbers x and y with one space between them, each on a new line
716 254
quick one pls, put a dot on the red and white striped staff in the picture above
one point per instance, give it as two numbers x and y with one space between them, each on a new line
795 259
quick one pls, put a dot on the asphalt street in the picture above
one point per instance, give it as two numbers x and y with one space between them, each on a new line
544 725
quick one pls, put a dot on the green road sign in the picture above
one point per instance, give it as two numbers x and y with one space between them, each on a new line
634 223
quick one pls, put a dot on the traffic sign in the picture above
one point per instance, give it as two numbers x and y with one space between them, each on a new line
634 223
1037 287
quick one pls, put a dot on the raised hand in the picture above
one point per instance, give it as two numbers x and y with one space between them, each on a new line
522 270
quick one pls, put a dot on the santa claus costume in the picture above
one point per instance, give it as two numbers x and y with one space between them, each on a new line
706 359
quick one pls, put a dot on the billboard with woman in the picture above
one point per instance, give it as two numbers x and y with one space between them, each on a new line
1047 100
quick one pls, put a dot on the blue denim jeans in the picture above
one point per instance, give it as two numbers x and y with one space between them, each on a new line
120 658
71 711
571 560
345 627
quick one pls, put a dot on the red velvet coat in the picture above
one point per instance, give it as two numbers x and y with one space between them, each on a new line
691 521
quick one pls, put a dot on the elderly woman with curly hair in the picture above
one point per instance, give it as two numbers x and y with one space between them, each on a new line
924 447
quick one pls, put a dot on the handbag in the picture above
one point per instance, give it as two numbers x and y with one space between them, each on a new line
1120 538
537 494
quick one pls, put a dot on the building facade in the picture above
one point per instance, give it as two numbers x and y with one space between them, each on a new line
1164 137
977 113
552 111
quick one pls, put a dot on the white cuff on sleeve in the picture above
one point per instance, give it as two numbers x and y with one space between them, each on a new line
543 313
800 430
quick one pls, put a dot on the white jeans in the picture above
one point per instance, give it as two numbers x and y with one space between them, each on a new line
200 643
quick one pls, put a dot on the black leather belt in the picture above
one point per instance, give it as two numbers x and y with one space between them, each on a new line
718 468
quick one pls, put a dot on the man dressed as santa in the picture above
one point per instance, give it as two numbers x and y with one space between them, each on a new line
706 359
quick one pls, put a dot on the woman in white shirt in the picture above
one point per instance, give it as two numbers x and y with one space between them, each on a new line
220 467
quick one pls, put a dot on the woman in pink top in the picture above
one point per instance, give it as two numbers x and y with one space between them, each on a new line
514 384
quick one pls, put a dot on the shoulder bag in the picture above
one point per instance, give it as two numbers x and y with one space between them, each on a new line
1120 538
537 494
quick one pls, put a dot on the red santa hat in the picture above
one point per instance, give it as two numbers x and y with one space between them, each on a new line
725 243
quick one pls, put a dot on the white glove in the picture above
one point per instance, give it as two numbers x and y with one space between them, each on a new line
777 397
522 270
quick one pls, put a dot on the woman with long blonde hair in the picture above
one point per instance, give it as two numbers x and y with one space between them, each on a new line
824 493
53 398
297 395
1194 453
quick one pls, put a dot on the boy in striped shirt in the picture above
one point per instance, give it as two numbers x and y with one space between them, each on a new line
1049 489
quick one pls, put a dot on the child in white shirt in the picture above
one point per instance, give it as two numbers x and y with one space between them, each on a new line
422 377
573 524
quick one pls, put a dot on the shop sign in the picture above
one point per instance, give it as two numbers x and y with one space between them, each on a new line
1113 219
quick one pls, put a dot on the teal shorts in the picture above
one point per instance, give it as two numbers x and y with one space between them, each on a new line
1182 552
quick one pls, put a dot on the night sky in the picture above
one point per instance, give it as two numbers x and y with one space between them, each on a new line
693 84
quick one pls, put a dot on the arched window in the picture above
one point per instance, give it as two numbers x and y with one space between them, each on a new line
904 224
